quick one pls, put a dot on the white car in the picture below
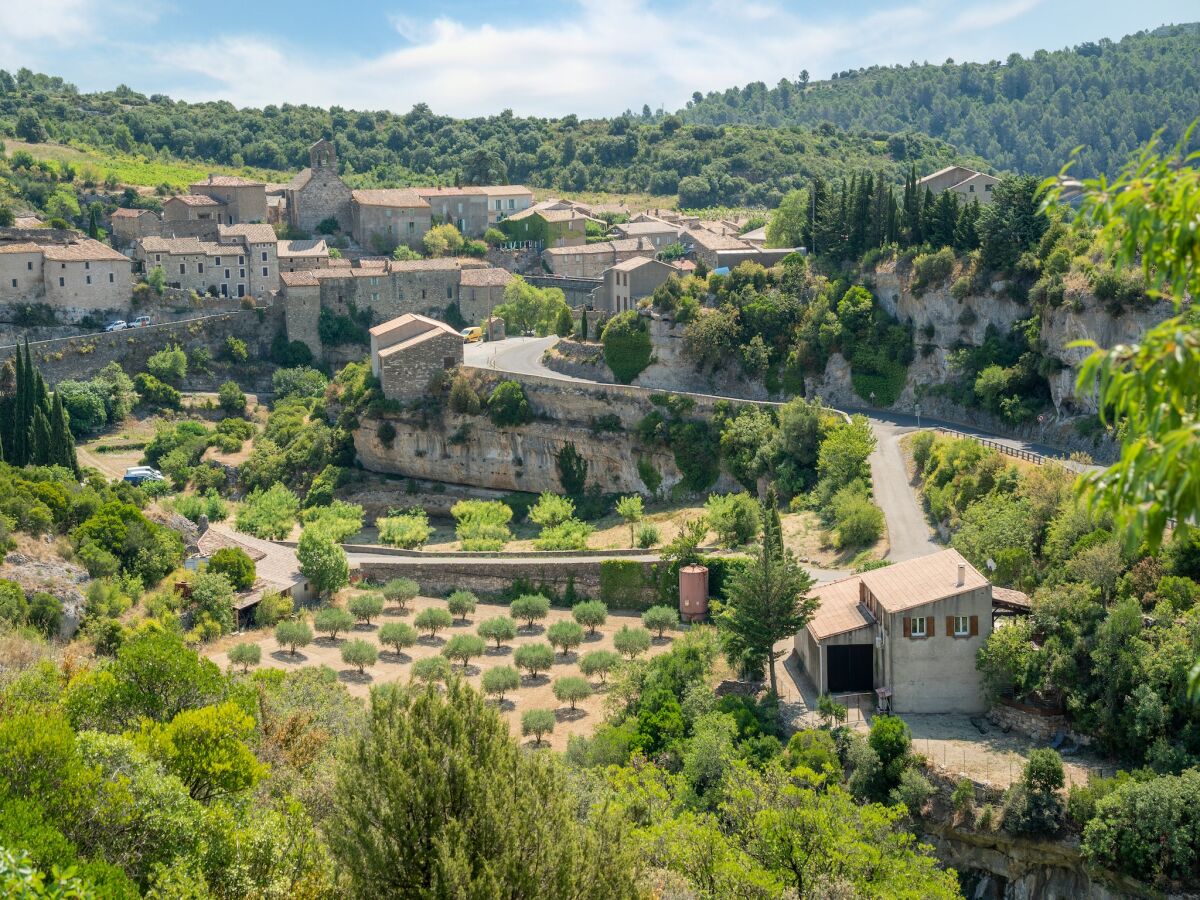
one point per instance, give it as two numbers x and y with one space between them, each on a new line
119 325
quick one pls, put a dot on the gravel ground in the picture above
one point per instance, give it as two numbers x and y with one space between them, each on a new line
533 693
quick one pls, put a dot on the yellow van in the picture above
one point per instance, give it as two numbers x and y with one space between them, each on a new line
472 335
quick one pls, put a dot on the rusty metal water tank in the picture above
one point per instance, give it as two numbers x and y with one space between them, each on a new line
693 593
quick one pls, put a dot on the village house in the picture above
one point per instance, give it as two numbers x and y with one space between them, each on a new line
194 208
506 200
244 200
130 224
590 260
276 569
242 262
551 223
383 219
300 256
64 270
466 208
628 282
408 351
967 183
908 633
661 234
480 291
724 251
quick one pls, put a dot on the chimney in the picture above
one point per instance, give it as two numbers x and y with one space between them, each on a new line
962 574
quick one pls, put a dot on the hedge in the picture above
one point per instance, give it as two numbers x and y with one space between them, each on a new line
624 584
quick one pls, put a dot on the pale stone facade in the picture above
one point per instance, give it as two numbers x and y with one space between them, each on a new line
384 219
409 351
967 183
245 200
242 262
465 208
318 193
628 282
480 291
65 270
506 200
193 208
300 256
590 260
130 224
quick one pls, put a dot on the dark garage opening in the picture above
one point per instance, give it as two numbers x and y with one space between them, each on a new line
849 668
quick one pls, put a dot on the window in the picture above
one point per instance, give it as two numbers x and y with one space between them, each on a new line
199 268
157 257
241 273
226 273
110 277
62 282
497 206
388 213
987 187
412 226
422 293
264 256
218 262
87 265
962 626
182 269
919 628
374 281
970 188
512 204
241 260
29 265
460 207
87 279
449 292
266 271
14 281
241 290
449 362
375 296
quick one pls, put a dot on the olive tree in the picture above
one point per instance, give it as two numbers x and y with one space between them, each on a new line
431 669
571 689
498 629
599 662
400 591
246 654
399 635
499 681
660 619
631 642
365 607
463 647
591 614
534 658
433 620
565 635
537 722
461 604
332 620
530 608
292 633
360 654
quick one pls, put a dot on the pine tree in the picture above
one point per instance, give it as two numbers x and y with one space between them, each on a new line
767 600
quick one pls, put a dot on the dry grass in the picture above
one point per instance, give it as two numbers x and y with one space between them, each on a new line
533 693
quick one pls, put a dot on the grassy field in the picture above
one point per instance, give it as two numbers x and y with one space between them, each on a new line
137 171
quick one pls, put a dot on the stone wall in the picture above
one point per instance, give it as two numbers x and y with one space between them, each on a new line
82 357
405 374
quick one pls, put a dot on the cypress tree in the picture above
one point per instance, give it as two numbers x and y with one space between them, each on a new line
39 440
912 209
62 442
22 410
927 216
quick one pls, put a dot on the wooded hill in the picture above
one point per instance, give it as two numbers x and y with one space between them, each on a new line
1023 114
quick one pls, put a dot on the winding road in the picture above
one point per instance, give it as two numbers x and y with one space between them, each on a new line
908 530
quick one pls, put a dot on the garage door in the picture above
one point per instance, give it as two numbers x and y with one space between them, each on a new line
849 668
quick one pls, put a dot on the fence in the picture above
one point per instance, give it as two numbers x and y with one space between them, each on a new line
1017 452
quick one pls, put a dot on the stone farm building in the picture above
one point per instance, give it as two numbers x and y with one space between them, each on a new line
624 284
276 569
590 260
408 351
908 632
967 183
242 261
383 219
74 274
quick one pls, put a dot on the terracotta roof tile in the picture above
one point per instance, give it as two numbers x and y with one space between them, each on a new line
312 248
20 247
401 198
840 610
485 277
229 181
83 249
194 200
915 582
299 279
257 233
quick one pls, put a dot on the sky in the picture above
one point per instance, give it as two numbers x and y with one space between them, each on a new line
536 57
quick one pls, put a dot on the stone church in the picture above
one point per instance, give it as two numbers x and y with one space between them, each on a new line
318 192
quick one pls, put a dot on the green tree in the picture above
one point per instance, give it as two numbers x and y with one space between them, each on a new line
530 608
245 654
463 647
571 689
499 629
461 604
565 635
322 562
499 681
630 509
168 365
433 620
206 749
537 722
231 398
400 591
627 349
551 510
734 517
631 642
599 662
790 221
534 658
767 600
508 406
397 635
530 309
432 669
293 634
332 621
660 619
591 614
365 607
236 565
360 654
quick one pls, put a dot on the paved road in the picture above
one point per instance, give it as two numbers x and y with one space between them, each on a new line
909 533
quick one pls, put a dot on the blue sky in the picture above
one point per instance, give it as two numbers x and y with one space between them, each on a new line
463 57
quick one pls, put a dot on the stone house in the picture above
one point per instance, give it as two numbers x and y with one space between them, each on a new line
276 569
967 183
130 224
466 208
300 256
409 351
506 200
480 291
244 199
908 633
660 234
64 270
318 192
590 260
242 262
628 282
551 223
383 219
194 208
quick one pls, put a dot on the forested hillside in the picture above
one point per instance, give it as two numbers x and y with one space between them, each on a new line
1023 114
705 165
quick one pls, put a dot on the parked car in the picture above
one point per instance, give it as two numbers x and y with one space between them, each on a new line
119 325
472 335
136 475
140 322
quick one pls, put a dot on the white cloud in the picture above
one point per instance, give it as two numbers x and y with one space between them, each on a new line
591 57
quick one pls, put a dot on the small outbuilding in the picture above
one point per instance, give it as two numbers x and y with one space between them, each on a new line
408 351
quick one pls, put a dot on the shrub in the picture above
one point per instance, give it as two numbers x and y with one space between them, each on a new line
463 647
565 635
530 608
45 613
963 796
272 609
599 662
463 398
156 393
245 654
499 629
398 635
299 381
591 614
551 509
857 521
647 535
332 620
169 366
914 791
269 514
813 749
627 349
734 517
400 591
631 642
571 689
360 654
433 620
650 476
431 669
409 530
932 268
482 524
661 619
499 681
365 607
534 658
621 583
507 405
461 604
537 722
236 565
293 634
569 535
235 350
231 399
1033 804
